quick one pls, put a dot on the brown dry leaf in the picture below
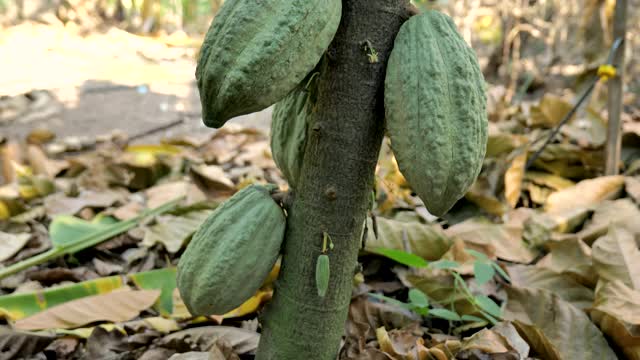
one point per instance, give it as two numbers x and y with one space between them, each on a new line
621 213
10 244
549 112
538 194
554 182
509 333
160 194
481 195
23 345
632 186
116 306
560 284
586 193
41 164
213 180
488 342
571 257
206 337
367 316
555 329
10 153
617 312
457 252
60 204
616 257
513 179
173 231
507 241
426 241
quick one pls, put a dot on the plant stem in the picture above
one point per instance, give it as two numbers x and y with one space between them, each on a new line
88 241
334 189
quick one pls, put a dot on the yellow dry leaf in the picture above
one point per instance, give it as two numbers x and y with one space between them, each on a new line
585 193
513 179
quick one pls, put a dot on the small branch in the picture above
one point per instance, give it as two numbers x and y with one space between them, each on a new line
92 239
615 95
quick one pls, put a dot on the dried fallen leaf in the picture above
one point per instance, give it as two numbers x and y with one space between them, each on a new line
60 204
507 241
172 231
426 241
616 310
562 285
616 257
571 257
632 186
621 213
205 337
10 244
487 342
116 306
554 328
21 345
585 193
513 179
509 333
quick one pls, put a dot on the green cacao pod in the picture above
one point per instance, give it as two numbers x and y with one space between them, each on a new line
256 52
435 107
289 122
232 252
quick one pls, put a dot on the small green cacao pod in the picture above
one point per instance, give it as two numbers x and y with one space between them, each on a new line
256 52
435 107
232 252
289 123
322 274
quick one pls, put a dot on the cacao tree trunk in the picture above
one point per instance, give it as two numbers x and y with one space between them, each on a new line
334 192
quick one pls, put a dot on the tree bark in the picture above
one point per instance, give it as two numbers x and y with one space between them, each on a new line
343 143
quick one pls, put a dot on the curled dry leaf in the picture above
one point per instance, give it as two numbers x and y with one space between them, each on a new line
488 342
513 179
555 329
510 334
616 257
585 193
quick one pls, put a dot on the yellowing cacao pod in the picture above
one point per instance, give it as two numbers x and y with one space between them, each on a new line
435 107
232 252
256 52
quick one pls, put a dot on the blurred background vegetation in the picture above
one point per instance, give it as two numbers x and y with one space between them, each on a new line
524 44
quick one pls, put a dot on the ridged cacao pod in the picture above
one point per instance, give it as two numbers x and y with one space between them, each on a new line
256 52
435 107
232 252
289 122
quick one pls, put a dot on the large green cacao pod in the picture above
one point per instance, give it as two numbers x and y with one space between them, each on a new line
232 252
435 107
257 51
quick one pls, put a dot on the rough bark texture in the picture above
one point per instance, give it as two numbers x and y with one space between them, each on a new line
335 187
